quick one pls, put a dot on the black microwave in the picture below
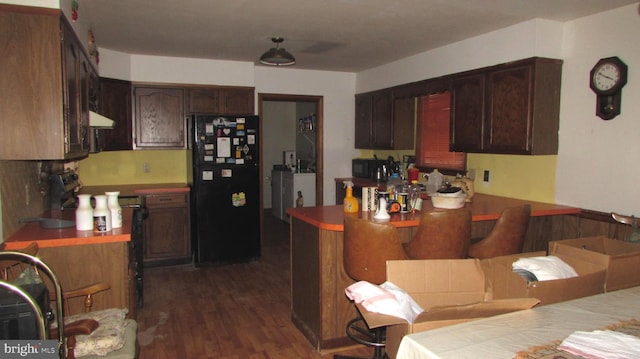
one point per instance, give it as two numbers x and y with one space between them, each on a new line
364 167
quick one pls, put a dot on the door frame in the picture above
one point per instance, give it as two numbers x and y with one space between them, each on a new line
318 100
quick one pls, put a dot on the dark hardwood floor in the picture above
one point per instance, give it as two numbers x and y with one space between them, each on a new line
228 311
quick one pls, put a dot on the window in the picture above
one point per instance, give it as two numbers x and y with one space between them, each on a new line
432 150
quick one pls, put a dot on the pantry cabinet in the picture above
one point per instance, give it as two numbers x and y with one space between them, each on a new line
221 100
159 117
166 229
45 86
512 108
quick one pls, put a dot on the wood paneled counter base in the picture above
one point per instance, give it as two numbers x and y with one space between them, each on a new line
319 307
81 258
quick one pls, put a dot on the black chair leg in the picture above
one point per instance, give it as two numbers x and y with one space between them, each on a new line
375 337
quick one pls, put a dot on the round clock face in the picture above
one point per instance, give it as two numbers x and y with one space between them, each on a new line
606 76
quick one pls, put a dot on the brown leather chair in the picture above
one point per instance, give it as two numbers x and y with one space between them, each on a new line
367 247
506 237
441 234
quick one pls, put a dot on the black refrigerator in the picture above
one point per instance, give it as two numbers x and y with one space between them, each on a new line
226 188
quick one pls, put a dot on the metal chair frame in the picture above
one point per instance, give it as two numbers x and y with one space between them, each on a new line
40 265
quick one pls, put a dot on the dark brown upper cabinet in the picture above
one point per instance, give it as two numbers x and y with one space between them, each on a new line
378 125
45 87
221 100
160 120
115 103
511 108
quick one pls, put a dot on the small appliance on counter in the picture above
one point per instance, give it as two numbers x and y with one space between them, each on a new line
366 168
62 187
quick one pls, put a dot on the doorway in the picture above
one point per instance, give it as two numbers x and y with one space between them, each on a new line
317 103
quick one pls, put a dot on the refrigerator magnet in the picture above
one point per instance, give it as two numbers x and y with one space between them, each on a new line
239 161
207 175
238 199
251 139
240 126
236 141
224 147
240 133
208 129
240 120
226 173
220 160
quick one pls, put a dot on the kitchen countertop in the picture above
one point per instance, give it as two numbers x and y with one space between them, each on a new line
483 208
49 237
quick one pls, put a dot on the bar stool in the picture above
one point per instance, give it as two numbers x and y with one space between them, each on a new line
507 235
367 247
441 234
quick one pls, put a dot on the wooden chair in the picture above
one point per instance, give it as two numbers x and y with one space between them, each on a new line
507 235
366 249
441 234
20 266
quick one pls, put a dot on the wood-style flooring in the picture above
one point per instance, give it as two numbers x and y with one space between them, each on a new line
234 311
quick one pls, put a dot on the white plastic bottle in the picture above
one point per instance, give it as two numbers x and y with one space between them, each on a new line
84 213
101 215
114 209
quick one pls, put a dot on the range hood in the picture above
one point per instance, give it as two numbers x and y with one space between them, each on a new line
96 120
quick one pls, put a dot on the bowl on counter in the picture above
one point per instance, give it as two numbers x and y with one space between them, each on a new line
448 200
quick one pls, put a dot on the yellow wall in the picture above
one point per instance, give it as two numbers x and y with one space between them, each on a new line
524 177
127 167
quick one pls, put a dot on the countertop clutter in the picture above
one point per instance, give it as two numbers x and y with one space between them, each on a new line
483 208
47 237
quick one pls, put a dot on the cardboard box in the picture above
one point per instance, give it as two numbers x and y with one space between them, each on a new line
621 259
449 291
507 284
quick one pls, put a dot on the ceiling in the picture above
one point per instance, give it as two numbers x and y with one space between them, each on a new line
335 35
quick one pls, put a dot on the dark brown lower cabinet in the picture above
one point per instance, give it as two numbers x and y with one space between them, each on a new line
166 229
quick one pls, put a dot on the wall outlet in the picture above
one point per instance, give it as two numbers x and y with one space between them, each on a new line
485 176
145 167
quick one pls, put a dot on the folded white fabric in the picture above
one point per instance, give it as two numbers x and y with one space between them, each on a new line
602 344
386 298
545 267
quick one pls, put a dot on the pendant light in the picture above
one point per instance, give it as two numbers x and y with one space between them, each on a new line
277 56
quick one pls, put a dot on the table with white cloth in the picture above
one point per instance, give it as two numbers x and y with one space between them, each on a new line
503 336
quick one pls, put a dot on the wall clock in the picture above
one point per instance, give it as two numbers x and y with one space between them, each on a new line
608 77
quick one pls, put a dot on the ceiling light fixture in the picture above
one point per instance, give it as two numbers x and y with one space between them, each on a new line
277 56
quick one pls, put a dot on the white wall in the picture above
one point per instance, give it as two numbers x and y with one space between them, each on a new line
337 90
532 38
598 160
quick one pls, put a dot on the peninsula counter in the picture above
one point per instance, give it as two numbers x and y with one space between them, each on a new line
319 307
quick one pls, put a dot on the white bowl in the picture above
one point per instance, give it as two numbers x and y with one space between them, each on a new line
448 200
